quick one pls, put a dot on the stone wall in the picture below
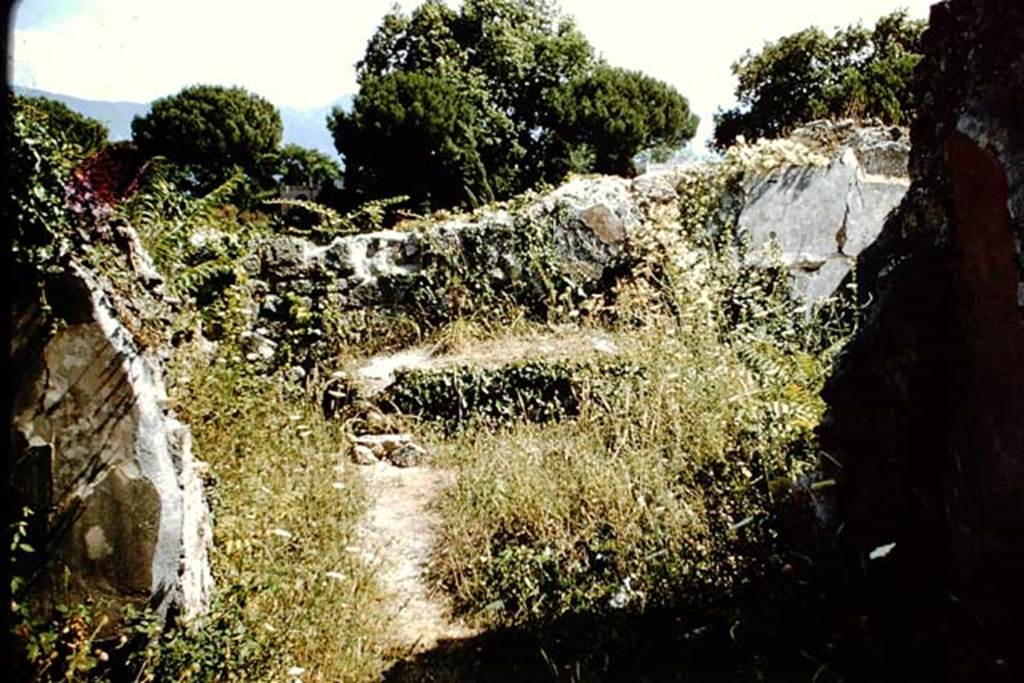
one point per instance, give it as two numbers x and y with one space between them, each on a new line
926 412
820 216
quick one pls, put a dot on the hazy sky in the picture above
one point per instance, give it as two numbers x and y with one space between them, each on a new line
301 53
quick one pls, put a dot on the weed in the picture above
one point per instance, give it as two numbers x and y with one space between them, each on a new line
663 495
285 504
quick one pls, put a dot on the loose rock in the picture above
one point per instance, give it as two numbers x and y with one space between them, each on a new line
363 455
407 455
382 445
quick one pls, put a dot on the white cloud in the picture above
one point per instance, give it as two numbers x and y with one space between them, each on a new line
302 53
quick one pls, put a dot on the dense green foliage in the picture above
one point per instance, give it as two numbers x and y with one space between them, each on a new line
210 131
464 107
534 390
298 165
458 279
36 197
606 117
409 134
197 244
87 133
811 75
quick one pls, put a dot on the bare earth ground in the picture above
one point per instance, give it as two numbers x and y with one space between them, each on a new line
397 535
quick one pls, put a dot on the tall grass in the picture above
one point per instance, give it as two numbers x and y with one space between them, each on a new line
659 494
665 494
290 593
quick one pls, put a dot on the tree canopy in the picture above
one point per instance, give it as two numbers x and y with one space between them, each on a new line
463 107
410 134
810 75
298 165
88 134
611 114
211 131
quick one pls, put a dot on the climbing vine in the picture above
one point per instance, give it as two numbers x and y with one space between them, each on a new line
531 390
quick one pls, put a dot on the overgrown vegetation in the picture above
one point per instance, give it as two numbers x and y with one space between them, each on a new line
88 134
290 594
669 493
36 202
657 480
532 390
487 271
661 498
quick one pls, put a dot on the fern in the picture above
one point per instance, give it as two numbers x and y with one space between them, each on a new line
167 219
203 208
192 279
330 222
374 211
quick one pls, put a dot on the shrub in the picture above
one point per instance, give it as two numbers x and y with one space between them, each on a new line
534 390
87 134
36 200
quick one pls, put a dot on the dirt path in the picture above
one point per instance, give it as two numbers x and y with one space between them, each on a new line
397 535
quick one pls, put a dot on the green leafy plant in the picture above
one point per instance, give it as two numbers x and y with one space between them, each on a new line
36 201
197 244
61 644
86 134
535 390
491 271
329 223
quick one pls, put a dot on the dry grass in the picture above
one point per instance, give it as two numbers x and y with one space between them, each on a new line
599 510
658 496
291 594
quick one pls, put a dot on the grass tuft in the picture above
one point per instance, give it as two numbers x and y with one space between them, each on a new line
285 504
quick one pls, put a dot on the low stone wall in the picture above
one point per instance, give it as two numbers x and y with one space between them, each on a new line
819 216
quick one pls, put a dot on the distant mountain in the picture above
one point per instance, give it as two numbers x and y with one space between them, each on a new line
116 116
306 127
